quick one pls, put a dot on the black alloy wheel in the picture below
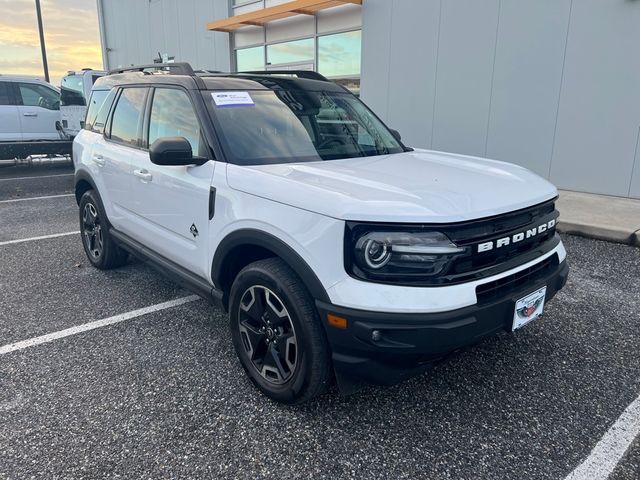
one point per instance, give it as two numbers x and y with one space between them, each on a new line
92 230
277 332
268 335
102 251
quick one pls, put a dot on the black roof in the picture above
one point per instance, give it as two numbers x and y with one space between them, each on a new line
183 75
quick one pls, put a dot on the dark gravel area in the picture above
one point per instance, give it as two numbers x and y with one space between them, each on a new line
629 467
35 218
22 182
49 285
163 395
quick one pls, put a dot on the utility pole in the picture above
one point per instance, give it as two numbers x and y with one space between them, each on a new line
42 46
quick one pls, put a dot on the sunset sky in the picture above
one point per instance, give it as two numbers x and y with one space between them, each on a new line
71 35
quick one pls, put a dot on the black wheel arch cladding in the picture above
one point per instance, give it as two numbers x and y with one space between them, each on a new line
266 241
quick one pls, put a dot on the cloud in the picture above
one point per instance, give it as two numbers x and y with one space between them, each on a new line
71 35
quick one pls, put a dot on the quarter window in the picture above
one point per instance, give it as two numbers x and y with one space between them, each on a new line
172 115
98 109
34 95
127 115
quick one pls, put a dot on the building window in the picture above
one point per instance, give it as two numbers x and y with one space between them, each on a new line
339 58
297 51
250 59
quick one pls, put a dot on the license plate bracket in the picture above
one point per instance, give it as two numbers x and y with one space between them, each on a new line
528 308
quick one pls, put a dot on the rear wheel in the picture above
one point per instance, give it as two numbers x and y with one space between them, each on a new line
277 334
101 250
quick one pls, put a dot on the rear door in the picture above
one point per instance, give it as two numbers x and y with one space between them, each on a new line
115 152
10 129
171 203
39 110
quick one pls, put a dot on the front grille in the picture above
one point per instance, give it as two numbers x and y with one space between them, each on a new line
498 227
511 283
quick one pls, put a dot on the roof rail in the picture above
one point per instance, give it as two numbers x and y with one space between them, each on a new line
308 74
178 68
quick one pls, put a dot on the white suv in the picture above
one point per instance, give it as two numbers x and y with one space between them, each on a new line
29 109
338 252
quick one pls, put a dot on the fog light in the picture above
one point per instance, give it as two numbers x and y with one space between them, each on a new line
376 335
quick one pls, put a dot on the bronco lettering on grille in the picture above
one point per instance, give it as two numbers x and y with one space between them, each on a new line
518 237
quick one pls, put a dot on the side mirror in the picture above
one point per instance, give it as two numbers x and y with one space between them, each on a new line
173 151
396 134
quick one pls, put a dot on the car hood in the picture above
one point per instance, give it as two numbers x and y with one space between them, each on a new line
418 186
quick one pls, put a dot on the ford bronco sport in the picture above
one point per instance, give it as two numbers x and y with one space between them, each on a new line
338 252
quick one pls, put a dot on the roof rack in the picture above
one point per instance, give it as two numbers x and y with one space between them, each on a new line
308 74
184 68
178 68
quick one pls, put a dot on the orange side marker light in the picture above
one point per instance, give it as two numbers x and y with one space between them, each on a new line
337 322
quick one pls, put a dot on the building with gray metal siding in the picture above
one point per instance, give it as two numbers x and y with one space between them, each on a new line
548 84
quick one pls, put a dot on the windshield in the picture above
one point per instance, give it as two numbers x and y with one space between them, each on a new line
285 126
72 90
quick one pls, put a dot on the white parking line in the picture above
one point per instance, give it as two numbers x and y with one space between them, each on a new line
13 200
50 337
611 448
43 237
37 176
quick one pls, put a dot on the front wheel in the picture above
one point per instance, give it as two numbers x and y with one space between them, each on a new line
277 334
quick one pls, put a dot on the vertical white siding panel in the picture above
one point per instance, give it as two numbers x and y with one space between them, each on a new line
376 53
413 62
136 30
157 39
599 111
634 190
465 66
526 82
222 57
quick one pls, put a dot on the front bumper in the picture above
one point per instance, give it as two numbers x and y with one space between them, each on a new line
407 343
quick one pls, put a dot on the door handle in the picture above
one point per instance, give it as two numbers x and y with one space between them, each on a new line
143 175
98 160
30 114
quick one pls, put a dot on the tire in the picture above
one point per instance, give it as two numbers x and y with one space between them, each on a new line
277 333
101 250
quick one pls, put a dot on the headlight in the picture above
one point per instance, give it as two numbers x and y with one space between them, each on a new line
399 256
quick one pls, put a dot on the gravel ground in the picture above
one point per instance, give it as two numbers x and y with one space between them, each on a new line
27 219
163 395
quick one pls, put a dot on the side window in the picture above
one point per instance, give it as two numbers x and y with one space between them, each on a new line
98 109
127 115
34 95
6 98
172 115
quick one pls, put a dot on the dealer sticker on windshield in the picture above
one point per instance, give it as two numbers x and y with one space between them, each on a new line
232 99
529 308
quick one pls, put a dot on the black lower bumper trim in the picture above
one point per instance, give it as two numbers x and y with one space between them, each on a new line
405 344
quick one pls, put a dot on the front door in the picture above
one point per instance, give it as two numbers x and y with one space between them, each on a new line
172 202
39 110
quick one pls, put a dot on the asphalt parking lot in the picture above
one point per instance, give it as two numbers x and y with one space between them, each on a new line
162 395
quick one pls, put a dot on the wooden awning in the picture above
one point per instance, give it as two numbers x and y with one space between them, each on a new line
285 10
